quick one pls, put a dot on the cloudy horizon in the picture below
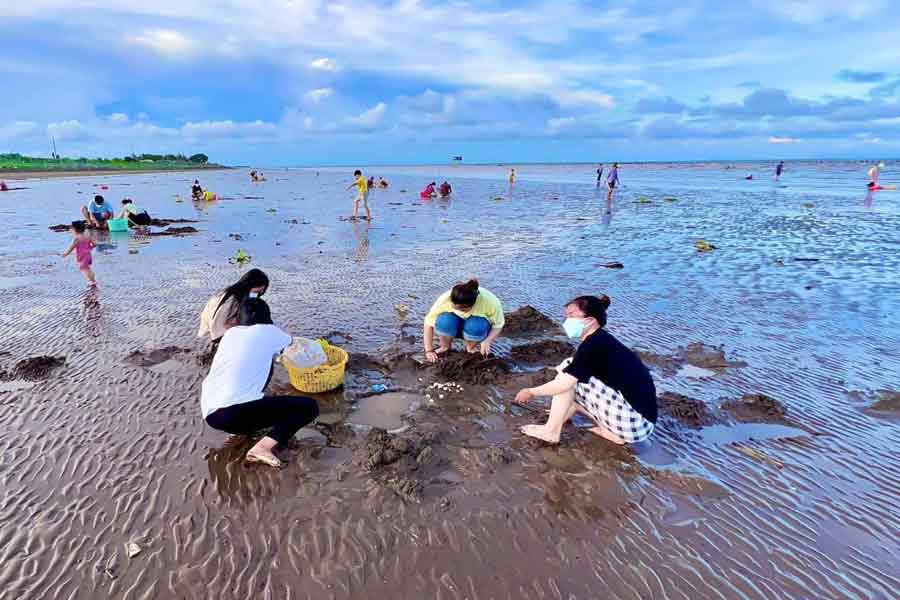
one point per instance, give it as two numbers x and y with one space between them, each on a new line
294 82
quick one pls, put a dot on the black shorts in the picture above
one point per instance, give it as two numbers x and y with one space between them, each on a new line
142 219
871 184
611 184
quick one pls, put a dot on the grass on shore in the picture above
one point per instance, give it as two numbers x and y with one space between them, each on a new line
16 162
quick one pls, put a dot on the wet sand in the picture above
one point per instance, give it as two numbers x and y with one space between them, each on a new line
771 474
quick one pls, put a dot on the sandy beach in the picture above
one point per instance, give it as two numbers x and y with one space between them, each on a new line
770 475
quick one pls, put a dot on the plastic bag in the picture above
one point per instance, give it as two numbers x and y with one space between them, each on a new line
304 353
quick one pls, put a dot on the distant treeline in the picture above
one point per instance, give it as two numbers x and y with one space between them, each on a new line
18 162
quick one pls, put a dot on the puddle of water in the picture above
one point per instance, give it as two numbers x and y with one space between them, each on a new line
15 386
384 410
653 453
726 434
694 372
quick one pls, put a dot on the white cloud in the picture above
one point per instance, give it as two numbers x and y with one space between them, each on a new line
813 11
559 123
323 64
228 129
319 94
370 119
574 98
118 118
68 130
19 128
782 140
167 42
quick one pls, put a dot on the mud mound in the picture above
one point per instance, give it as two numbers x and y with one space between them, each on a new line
666 364
756 408
167 222
545 352
707 357
154 222
528 320
174 231
204 358
686 410
154 357
34 368
888 403
382 449
472 369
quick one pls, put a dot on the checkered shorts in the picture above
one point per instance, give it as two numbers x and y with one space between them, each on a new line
609 408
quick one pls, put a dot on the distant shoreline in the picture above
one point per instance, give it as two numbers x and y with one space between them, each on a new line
16 175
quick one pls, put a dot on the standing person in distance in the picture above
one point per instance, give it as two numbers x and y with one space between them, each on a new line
612 180
362 194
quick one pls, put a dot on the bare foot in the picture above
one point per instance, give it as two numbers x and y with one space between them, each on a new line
442 349
471 348
263 457
540 432
607 435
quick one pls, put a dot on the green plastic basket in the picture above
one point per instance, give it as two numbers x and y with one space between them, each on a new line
117 224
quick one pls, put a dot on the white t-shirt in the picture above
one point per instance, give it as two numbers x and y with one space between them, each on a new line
241 366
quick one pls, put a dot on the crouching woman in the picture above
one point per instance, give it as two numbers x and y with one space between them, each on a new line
466 312
605 380
233 398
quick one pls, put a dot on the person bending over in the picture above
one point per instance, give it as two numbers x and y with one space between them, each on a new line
98 212
232 397
428 191
605 380
221 312
137 217
468 312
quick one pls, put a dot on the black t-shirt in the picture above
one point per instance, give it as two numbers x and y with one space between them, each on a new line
609 360
196 190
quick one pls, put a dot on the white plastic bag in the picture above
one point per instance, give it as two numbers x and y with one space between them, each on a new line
304 353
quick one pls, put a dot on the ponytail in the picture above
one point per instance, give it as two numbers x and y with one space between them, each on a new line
465 294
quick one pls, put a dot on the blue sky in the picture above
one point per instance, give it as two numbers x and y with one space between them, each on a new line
293 82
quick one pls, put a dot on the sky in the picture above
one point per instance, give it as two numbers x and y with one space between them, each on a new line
307 82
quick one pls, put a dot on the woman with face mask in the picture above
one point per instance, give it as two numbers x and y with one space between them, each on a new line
467 311
221 311
605 380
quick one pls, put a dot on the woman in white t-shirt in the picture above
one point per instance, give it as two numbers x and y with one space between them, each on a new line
232 397
221 311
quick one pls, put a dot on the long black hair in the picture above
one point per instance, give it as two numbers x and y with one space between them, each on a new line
592 306
254 311
240 290
465 294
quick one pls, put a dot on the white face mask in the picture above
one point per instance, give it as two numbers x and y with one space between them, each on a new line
574 327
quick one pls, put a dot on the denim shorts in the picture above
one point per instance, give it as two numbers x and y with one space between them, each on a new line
473 329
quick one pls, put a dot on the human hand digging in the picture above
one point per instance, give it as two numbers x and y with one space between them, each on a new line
485 347
524 397
431 356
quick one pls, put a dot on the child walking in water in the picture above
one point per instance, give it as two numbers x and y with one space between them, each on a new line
82 245
362 195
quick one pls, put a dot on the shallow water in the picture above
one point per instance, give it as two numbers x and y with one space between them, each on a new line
105 452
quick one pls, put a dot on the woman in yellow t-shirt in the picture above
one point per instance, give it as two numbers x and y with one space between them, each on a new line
466 312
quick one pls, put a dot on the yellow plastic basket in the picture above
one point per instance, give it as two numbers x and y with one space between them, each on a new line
323 378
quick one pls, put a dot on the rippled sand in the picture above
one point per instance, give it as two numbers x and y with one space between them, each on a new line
110 450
